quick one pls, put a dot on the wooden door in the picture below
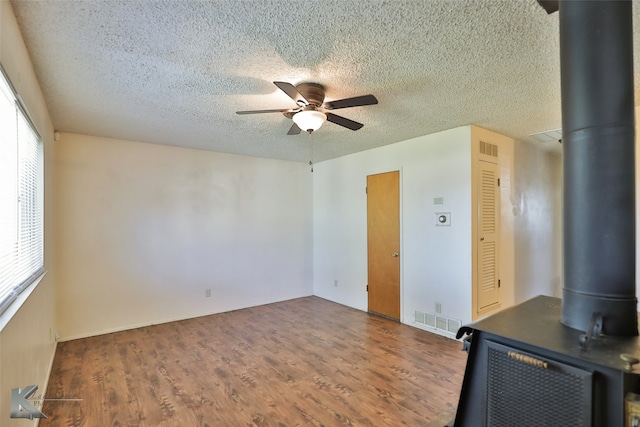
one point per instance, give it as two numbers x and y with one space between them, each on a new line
383 243
488 283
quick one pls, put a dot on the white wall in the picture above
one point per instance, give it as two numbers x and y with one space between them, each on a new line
436 261
143 230
537 208
27 343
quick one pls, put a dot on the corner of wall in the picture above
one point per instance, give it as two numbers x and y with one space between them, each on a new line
537 209
637 161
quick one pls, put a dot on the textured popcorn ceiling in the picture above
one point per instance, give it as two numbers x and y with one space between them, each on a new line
175 72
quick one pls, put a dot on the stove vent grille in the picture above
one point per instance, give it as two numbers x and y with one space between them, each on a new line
525 391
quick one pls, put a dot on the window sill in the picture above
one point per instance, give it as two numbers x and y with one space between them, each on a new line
11 311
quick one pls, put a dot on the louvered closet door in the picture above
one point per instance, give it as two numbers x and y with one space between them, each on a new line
488 234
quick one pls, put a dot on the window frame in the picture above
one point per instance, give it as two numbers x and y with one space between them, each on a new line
24 264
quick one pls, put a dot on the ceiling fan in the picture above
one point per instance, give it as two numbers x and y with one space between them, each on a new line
311 111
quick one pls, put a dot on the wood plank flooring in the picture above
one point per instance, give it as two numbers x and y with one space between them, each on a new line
304 362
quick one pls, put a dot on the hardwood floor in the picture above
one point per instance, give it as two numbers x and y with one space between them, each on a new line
304 362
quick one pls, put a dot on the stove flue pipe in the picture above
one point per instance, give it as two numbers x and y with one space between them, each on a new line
596 58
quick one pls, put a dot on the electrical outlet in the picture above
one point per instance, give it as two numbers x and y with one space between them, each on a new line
335 283
207 293
438 308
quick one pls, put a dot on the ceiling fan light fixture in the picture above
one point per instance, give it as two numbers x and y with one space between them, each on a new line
309 120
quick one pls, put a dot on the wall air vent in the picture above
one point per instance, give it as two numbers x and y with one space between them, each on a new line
437 321
430 320
488 149
453 325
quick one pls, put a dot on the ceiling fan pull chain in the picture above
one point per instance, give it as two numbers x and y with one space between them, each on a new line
311 152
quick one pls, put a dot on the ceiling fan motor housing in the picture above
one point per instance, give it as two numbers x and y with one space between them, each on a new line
312 92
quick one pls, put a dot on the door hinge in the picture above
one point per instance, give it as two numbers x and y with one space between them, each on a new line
367 288
498 182
498 282
366 190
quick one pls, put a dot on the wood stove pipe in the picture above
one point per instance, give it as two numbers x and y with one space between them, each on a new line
596 58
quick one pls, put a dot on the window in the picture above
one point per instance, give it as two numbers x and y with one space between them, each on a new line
21 198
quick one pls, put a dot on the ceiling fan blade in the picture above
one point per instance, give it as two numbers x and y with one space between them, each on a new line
294 130
343 121
263 111
357 101
291 90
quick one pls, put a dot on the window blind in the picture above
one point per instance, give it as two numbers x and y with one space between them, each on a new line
21 198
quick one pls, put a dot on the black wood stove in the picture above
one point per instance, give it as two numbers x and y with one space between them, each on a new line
570 362
526 369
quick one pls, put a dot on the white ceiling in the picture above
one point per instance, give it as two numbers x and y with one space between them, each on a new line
174 72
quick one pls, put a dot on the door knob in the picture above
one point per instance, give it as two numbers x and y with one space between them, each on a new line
395 254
